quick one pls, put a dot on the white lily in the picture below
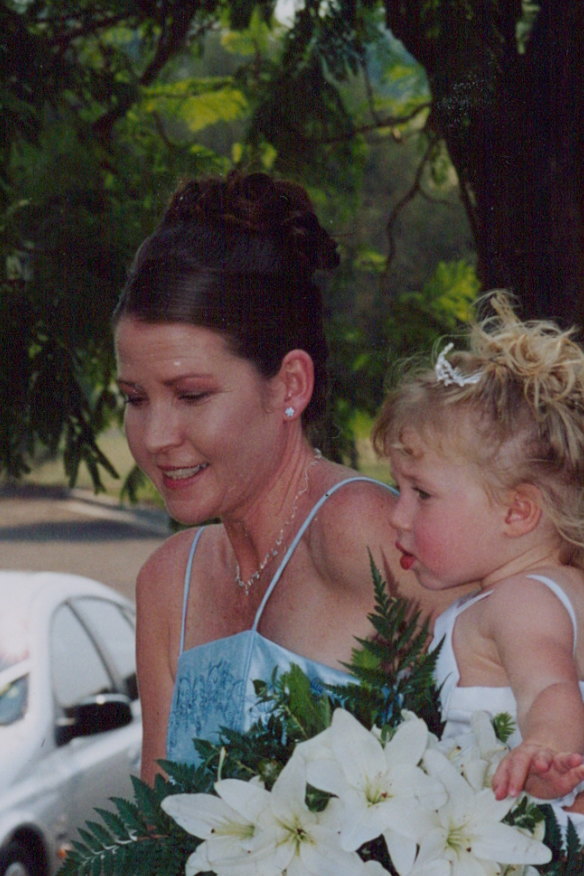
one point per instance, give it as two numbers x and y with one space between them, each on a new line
305 843
228 825
477 752
465 836
381 787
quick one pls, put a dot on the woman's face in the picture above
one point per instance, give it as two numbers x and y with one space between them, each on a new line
201 422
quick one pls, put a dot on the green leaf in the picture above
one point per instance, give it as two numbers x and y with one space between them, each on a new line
504 726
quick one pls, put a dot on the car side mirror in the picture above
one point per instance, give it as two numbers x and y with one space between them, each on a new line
93 715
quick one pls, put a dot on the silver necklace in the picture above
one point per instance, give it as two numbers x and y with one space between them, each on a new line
275 550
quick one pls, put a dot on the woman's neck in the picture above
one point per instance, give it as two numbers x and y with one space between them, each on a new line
264 532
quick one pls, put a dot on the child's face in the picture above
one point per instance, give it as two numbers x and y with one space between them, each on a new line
449 529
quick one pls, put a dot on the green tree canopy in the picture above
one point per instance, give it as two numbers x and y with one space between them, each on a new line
105 105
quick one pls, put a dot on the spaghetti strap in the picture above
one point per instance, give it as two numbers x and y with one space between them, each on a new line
306 523
187 586
564 599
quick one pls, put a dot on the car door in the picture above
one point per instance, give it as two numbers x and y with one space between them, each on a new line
83 665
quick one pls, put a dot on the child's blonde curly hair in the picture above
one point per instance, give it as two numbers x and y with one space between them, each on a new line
513 404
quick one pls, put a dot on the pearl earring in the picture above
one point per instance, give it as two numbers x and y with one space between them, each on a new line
289 412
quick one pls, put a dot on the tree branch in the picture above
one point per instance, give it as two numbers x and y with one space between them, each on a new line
414 189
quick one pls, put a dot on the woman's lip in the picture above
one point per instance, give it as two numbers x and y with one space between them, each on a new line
179 476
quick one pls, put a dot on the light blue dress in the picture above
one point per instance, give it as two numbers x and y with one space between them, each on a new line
214 682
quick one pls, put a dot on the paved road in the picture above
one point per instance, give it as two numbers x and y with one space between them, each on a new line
56 530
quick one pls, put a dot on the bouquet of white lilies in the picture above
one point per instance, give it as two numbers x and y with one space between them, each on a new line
430 803
353 780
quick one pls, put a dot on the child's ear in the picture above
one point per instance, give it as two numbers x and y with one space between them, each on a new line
523 509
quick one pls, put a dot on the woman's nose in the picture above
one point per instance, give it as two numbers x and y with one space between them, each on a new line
162 429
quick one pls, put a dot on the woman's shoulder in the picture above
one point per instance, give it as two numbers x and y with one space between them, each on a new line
355 502
352 520
166 566
349 482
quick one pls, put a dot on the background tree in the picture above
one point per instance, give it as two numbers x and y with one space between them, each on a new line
105 104
506 84
79 177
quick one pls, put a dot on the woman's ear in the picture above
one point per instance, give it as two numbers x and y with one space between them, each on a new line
523 509
297 377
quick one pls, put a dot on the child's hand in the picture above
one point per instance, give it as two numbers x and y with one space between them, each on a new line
539 771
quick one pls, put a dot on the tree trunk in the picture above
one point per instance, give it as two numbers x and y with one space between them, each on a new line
512 118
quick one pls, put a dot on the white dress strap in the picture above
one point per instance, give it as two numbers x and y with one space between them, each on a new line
564 599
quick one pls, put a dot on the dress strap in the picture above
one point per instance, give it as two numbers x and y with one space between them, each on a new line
306 523
564 599
187 586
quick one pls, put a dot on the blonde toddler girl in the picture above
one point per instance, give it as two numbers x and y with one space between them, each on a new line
487 450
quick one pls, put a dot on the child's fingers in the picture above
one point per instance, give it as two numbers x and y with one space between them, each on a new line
543 761
511 774
567 760
560 761
559 772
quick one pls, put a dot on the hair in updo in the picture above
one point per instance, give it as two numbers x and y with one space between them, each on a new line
521 419
237 255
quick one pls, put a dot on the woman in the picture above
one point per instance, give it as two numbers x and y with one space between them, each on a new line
222 362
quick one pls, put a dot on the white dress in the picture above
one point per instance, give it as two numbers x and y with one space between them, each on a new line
458 703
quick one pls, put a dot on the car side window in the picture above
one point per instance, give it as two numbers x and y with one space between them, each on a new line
114 631
13 700
76 666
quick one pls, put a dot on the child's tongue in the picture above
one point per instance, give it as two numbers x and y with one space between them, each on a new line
406 561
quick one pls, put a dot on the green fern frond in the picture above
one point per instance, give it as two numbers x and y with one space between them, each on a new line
136 837
394 670
504 726
574 851
567 853
116 824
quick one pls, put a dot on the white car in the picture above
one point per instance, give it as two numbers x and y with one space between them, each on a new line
70 729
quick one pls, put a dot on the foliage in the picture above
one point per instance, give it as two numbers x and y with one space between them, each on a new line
85 173
442 307
134 95
392 672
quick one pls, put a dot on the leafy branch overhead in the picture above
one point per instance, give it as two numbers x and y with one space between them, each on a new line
428 133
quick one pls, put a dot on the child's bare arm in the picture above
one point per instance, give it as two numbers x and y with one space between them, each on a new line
534 637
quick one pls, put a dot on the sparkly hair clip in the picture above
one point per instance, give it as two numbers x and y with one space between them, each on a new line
446 374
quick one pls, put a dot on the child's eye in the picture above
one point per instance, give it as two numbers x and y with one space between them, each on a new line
421 493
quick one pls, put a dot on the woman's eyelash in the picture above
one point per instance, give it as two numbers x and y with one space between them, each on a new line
183 396
194 396
131 399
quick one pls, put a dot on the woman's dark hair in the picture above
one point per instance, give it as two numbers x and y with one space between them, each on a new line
237 255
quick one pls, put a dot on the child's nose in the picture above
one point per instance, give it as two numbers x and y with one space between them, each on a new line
400 517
